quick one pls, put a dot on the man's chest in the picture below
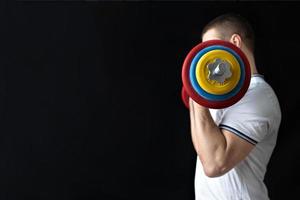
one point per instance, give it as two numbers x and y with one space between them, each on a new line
216 115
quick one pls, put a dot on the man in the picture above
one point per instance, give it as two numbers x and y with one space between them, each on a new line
234 144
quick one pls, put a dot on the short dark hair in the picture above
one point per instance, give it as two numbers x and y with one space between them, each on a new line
231 23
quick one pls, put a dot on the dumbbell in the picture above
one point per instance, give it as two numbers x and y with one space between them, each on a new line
215 74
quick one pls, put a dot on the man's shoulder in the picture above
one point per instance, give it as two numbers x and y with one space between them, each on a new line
262 96
260 101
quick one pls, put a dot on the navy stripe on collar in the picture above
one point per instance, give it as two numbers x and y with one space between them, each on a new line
257 75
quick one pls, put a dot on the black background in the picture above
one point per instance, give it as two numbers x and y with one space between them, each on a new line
90 97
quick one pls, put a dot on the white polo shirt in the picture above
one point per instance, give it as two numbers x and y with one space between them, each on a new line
256 119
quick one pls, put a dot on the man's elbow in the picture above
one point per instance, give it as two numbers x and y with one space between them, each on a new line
215 170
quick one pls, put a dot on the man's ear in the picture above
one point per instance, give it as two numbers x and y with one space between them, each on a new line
236 40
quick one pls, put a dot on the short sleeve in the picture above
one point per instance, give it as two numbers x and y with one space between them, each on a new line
247 120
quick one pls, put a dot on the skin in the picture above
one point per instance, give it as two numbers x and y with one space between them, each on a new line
219 150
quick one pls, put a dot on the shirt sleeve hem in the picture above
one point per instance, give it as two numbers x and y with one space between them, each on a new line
238 133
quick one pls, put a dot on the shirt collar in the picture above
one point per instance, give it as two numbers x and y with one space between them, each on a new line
255 78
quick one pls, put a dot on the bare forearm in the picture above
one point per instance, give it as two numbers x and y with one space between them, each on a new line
208 140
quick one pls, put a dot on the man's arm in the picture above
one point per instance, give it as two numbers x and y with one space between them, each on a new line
219 150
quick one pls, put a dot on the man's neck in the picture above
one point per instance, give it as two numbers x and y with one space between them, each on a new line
251 61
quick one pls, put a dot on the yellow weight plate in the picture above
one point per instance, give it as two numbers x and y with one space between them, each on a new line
212 86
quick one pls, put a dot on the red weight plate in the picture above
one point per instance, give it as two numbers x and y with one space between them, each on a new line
194 95
185 97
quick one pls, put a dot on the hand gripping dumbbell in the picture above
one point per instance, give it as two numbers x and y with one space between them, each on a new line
215 74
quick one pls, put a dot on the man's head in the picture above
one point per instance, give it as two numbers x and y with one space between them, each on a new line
230 27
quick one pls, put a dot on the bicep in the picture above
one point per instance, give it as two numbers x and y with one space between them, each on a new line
237 149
